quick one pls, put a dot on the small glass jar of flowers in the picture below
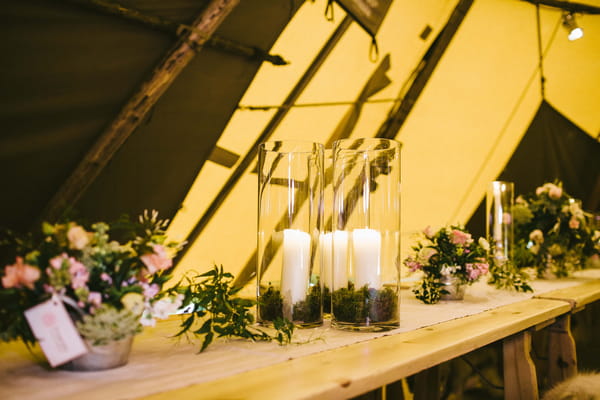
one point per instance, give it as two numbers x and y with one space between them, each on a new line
449 259
552 232
109 289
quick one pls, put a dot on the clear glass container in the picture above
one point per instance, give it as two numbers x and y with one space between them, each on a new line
499 222
290 218
366 234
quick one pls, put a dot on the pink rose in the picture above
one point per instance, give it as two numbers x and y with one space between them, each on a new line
428 231
412 264
555 192
79 274
20 274
95 299
474 271
57 262
157 261
574 223
539 190
459 237
106 278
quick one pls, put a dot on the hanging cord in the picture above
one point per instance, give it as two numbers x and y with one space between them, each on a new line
540 52
373 50
478 372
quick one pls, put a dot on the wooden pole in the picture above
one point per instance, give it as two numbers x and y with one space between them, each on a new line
138 106
174 28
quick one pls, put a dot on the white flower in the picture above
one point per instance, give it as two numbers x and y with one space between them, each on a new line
484 244
448 270
167 306
78 237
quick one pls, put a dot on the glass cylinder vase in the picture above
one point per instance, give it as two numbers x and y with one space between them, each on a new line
366 234
290 216
499 221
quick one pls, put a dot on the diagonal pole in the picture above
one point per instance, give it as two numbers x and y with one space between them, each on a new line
267 132
137 107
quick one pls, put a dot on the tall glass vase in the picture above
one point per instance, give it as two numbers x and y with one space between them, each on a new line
499 222
290 218
366 234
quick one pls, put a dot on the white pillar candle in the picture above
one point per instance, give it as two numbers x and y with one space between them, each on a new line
497 210
366 245
296 267
326 246
340 259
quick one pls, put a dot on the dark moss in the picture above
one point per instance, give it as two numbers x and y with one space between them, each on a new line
306 311
309 310
364 305
270 304
326 300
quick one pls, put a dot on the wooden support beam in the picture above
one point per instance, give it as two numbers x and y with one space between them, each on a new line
567 6
562 356
520 378
177 29
138 106
399 112
249 271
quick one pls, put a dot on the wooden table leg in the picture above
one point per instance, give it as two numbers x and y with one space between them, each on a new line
562 356
520 379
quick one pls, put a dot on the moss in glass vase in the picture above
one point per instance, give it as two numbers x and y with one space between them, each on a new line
308 311
364 304
326 300
270 304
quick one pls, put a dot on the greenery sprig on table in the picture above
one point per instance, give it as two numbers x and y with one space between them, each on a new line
216 311
509 277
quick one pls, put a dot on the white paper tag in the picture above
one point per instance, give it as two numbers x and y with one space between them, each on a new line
55 331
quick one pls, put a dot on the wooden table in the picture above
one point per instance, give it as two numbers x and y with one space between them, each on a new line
333 364
562 355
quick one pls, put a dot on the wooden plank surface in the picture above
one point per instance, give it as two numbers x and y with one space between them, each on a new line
349 371
335 364
579 295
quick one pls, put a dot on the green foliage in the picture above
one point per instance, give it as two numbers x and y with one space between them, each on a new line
429 290
217 312
509 277
108 324
552 233
364 304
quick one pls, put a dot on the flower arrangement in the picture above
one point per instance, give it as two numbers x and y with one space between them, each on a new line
552 233
109 288
449 252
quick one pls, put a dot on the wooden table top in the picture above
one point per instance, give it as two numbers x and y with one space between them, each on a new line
233 369
578 296
329 364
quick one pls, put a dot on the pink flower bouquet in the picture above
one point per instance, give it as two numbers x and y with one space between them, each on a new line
91 274
449 252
